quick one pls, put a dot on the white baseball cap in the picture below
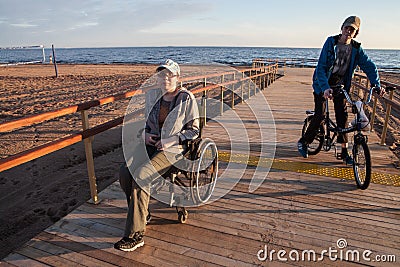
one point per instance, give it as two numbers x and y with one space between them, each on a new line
170 65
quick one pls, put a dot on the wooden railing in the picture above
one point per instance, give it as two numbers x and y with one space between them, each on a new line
286 62
249 79
361 82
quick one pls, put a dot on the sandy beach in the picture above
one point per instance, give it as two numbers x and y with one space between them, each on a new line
38 193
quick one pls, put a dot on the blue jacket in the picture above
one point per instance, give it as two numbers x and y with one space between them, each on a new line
327 59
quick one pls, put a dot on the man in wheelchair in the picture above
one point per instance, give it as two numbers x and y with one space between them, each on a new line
172 119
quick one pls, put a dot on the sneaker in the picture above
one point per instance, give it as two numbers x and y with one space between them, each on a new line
130 244
302 147
348 160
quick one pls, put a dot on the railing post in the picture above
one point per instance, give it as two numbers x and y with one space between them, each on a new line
204 104
222 95
89 159
367 85
388 111
263 81
284 66
249 87
358 88
241 87
373 113
233 94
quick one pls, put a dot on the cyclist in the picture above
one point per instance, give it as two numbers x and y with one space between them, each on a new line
339 57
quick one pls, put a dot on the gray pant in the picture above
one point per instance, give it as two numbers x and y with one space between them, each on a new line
137 190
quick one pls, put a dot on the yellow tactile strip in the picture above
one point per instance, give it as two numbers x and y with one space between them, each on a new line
309 168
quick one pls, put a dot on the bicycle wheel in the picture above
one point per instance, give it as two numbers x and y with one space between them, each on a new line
361 163
316 145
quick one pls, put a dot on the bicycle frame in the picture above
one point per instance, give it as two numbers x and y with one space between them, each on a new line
330 126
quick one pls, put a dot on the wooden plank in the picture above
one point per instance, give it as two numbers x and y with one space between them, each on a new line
200 242
61 252
74 243
82 234
289 202
46 258
313 228
19 260
6 264
180 252
174 236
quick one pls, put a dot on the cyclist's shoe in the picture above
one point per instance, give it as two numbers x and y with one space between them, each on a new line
347 159
302 147
130 244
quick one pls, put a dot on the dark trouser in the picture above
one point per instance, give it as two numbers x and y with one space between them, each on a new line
341 116
138 197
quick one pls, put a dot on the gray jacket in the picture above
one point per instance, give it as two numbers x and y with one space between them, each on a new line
183 117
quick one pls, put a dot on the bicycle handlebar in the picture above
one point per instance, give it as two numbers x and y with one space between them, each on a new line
375 89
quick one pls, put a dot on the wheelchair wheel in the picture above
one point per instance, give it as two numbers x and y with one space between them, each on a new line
205 170
315 147
183 216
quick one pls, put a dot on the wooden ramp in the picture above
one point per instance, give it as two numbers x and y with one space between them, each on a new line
292 211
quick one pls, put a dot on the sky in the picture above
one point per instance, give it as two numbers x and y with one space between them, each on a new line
256 23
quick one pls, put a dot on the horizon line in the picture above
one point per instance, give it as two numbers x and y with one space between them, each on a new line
204 46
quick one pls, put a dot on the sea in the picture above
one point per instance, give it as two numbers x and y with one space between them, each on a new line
386 60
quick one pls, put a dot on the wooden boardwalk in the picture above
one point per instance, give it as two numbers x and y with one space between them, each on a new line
292 211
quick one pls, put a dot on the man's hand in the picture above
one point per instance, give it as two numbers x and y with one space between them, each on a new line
328 93
163 144
151 139
380 90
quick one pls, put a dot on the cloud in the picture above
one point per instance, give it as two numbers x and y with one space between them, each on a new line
82 25
23 25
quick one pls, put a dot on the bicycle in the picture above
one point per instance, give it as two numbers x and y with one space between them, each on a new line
328 131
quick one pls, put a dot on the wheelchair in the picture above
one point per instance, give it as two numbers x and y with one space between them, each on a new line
196 181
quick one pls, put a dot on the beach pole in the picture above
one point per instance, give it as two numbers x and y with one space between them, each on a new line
89 159
54 60
43 54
